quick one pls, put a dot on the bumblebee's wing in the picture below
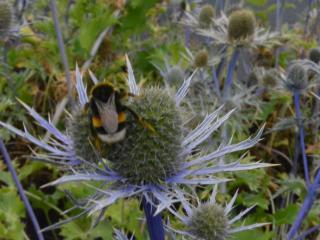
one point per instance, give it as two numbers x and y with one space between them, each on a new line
108 114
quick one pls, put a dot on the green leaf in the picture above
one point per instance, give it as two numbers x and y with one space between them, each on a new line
286 215
81 229
258 199
11 214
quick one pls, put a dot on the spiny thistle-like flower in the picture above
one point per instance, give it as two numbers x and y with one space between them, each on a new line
240 29
11 18
209 220
174 75
206 14
201 58
314 55
242 25
148 163
6 17
268 78
297 77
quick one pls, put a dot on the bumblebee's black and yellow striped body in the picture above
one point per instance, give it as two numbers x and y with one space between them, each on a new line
107 114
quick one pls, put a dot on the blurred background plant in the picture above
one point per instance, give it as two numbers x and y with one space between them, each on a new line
166 44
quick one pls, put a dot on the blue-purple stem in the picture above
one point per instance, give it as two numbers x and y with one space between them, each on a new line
24 198
62 49
296 97
309 231
154 223
215 81
229 78
305 208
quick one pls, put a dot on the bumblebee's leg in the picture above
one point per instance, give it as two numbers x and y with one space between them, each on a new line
142 121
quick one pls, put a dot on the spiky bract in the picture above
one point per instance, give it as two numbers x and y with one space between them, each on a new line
241 24
209 222
81 135
149 155
314 55
201 59
6 17
206 15
297 77
175 76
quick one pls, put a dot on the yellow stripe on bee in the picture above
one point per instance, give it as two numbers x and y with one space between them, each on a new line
121 117
96 122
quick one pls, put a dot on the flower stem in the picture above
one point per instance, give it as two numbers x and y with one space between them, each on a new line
230 72
215 81
154 223
24 198
62 49
306 206
296 96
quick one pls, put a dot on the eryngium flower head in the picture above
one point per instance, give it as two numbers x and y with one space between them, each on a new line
209 220
270 78
6 17
154 155
174 75
297 77
168 142
201 58
241 25
206 15
314 55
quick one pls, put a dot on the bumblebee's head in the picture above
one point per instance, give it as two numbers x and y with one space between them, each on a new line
102 91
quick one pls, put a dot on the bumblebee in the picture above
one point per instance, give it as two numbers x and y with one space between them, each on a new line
107 113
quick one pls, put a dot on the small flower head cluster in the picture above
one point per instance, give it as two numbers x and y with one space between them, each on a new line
173 75
297 77
202 17
314 55
242 25
205 16
155 157
239 29
301 75
11 18
6 17
268 78
201 59
209 220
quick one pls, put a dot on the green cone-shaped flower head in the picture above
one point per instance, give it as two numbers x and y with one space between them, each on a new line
206 15
241 24
201 59
6 17
81 135
314 55
270 78
151 150
175 76
297 77
209 222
